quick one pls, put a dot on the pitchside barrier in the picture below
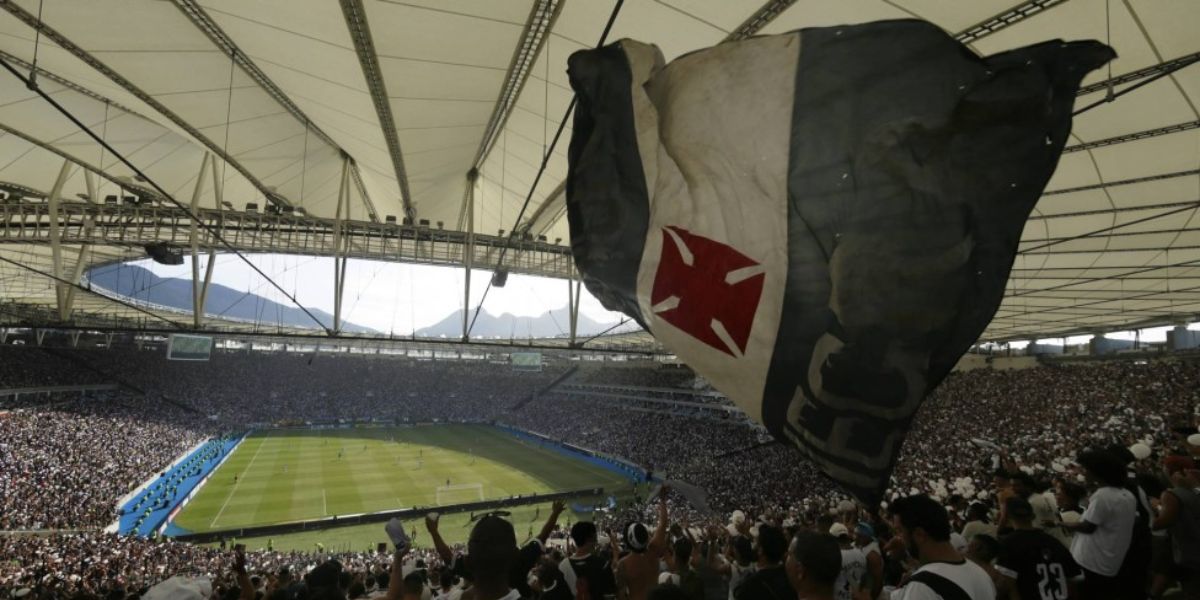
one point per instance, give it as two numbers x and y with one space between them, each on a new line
161 509
382 516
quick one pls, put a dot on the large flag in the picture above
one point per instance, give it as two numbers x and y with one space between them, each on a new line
820 222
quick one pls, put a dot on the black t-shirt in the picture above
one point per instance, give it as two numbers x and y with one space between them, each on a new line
593 577
770 583
559 592
1040 563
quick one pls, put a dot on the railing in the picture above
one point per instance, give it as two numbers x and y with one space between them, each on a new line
51 389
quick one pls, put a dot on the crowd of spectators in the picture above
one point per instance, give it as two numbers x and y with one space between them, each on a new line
983 438
30 367
654 376
256 387
66 467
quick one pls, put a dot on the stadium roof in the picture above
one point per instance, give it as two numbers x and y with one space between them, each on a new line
411 98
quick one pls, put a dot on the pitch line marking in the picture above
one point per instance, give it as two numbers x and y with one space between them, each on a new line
239 482
324 504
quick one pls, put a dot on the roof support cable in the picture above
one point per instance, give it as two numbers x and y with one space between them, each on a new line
228 112
141 176
619 323
541 170
1108 42
304 163
37 40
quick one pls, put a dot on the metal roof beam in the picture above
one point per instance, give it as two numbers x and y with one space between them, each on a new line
90 167
70 85
1005 19
1106 250
542 17
1152 71
1147 178
1109 234
360 32
759 19
1133 137
83 55
196 14
541 20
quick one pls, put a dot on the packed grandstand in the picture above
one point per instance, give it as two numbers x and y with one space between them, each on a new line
981 430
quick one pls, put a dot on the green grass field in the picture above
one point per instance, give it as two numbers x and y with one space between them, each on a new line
293 475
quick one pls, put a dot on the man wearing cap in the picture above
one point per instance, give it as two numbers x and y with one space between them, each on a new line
1032 563
864 537
854 564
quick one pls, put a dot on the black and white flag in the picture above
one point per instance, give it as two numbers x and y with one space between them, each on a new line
819 222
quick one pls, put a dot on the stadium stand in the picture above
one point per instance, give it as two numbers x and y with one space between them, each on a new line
1027 424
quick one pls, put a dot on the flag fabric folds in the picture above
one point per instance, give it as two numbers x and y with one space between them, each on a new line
820 222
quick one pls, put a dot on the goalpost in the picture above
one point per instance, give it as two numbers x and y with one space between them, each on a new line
459 493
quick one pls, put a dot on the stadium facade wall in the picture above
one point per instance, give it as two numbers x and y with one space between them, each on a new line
1182 338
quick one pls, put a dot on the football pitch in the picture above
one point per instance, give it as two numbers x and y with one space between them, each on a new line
279 476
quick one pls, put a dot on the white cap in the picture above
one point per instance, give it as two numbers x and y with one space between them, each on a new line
180 588
838 530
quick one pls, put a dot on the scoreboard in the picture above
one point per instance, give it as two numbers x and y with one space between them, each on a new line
184 346
527 361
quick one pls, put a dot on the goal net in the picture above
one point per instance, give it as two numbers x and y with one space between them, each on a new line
459 493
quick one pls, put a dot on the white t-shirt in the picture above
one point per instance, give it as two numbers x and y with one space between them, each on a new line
959 542
854 570
453 594
1113 511
967 575
736 574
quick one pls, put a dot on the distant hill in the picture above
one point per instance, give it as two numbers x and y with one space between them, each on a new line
142 284
549 324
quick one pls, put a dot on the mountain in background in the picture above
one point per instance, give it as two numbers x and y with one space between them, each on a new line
555 323
143 285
